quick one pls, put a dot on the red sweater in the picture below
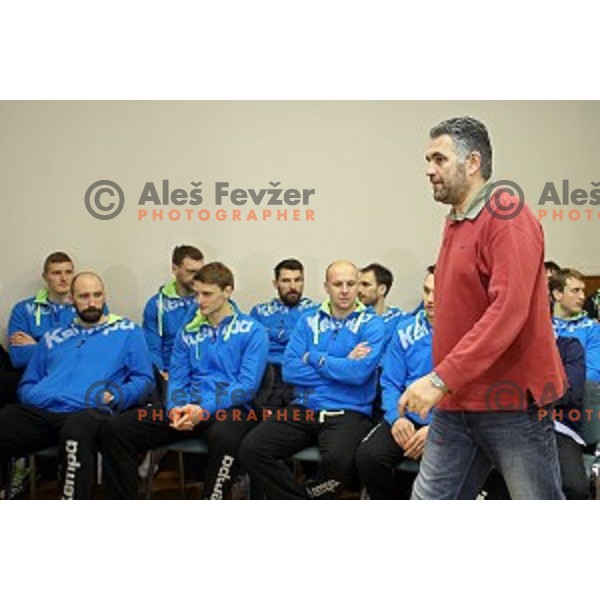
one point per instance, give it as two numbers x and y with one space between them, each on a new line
493 338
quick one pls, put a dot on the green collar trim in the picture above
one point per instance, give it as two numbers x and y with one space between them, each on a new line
41 297
170 289
576 317
199 320
112 319
474 207
326 307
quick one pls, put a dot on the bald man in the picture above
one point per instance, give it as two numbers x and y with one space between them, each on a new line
331 361
79 376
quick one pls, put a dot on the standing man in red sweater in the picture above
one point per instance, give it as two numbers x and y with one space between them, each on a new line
494 355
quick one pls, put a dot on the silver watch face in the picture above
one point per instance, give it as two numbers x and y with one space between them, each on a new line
436 381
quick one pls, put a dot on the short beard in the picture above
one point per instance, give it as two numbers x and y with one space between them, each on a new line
456 194
291 302
90 315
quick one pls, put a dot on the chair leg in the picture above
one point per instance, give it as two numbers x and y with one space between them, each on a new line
181 474
150 478
32 477
99 474
7 472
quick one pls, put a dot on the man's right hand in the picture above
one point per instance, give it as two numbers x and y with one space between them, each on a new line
360 351
402 431
20 338
185 418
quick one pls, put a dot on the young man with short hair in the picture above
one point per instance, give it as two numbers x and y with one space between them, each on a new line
51 307
567 288
29 320
217 364
374 284
408 357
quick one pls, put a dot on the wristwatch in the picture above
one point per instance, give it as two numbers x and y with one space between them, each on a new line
437 382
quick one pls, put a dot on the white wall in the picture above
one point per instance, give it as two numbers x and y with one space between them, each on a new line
364 159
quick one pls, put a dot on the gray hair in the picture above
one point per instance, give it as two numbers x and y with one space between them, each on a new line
468 135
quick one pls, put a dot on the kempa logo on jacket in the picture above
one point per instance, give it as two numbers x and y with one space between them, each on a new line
60 335
415 331
236 327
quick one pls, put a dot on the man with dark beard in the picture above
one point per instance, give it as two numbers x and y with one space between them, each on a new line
78 377
279 317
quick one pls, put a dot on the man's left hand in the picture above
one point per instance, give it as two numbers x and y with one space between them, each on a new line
415 446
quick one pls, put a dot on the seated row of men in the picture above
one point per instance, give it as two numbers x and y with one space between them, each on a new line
90 393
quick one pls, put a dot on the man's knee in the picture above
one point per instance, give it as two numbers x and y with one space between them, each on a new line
247 451
83 430
340 463
227 437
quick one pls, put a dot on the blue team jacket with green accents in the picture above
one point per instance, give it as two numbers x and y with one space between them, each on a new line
587 331
408 357
72 366
164 314
35 316
316 359
279 320
217 367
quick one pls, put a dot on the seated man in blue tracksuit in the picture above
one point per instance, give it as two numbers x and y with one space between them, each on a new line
217 365
568 416
331 360
407 358
79 376
50 308
279 317
374 284
567 289
168 309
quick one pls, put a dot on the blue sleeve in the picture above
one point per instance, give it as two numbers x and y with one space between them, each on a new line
180 375
349 370
592 353
34 373
150 326
295 371
573 359
20 355
393 379
139 377
252 369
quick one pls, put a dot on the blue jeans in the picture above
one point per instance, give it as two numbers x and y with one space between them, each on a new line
462 447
